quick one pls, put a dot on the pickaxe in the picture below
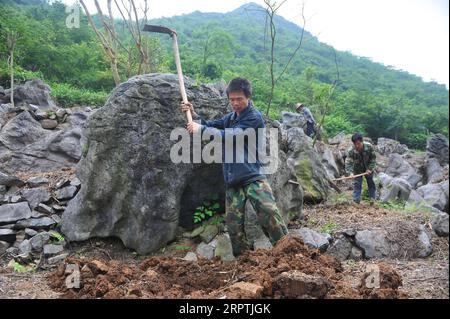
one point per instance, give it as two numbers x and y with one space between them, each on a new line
173 34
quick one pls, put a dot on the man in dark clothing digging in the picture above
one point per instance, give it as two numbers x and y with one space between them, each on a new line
360 159
243 180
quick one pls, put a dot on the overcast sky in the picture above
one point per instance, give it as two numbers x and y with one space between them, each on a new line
411 35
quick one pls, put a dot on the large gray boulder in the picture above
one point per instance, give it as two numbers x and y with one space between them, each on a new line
328 159
437 147
436 195
440 224
290 120
387 146
402 240
34 92
434 170
393 189
26 146
341 248
399 167
307 165
312 238
417 202
131 189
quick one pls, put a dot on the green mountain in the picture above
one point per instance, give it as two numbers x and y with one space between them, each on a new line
370 97
245 27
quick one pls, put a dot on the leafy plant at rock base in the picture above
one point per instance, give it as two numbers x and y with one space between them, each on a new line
57 236
206 211
18 267
51 115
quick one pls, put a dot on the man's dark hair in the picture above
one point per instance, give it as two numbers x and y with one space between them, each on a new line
357 137
238 85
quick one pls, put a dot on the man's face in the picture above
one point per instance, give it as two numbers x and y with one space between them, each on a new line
358 146
238 101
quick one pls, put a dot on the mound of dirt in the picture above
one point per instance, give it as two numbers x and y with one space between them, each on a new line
289 268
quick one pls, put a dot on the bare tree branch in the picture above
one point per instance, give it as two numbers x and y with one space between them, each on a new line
109 50
297 48
271 10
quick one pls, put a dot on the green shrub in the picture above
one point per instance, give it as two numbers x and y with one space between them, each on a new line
417 140
20 75
67 95
208 209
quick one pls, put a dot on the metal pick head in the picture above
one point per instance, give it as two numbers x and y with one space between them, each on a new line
159 29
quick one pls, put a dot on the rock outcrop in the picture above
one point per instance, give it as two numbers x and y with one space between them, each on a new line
131 188
36 135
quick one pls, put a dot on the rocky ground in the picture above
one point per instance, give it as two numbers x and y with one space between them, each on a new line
109 270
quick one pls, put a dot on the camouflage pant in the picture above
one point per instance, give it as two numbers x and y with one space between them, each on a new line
260 195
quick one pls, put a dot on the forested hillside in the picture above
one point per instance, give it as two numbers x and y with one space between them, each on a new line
369 97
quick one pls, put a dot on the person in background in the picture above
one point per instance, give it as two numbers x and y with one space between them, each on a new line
360 159
310 121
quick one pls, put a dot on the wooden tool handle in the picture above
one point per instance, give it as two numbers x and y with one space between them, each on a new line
349 177
180 74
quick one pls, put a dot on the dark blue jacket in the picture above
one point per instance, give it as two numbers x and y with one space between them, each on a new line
239 174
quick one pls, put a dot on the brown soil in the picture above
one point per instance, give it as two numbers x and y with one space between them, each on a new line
169 277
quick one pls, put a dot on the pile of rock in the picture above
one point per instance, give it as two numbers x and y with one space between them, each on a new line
423 188
214 241
404 240
30 216
313 165
386 146
36 135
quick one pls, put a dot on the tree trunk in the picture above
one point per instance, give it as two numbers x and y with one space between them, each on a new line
12 77
115 71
